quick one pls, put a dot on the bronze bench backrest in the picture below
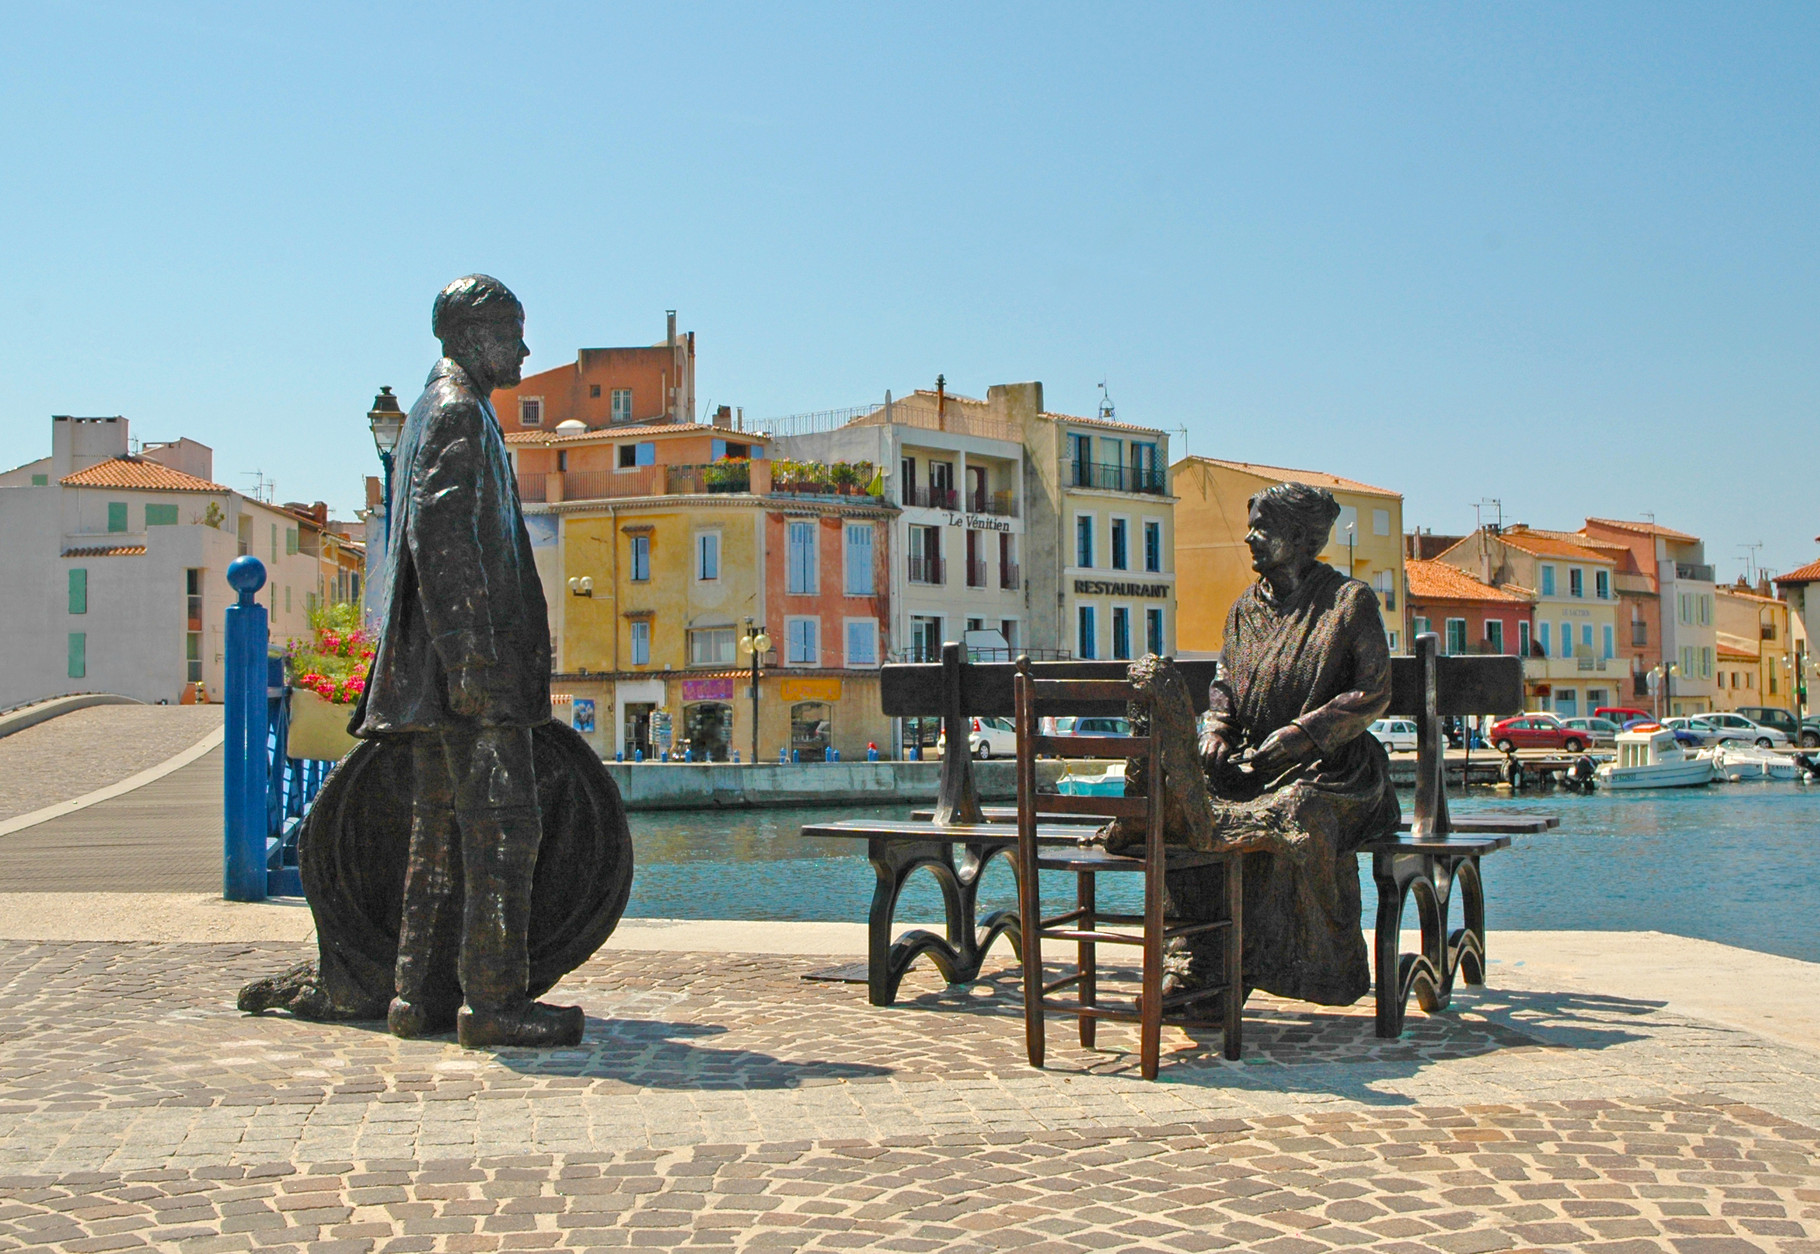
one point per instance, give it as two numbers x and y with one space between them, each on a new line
1425 687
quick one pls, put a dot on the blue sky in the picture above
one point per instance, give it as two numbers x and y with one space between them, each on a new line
1561 255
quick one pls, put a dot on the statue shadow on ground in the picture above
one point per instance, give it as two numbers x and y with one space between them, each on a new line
662 1054
1299 1047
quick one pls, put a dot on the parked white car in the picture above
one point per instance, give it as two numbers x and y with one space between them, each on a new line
987 738
1395 733
1737 727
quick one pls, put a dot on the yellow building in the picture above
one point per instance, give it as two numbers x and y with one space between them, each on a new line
1756 652
1211 516
656 561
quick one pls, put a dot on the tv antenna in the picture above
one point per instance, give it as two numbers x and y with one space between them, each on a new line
1750 561
1478 510
262 487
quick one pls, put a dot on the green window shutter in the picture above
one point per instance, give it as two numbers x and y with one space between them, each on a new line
41 481
78 654
290 539
78 590
161 515
116 515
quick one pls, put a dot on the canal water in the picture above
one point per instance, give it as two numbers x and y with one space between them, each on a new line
1735 863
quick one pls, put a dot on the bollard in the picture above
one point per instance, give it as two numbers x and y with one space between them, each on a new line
871 753
783 755
736 757
835 755
244 782
619 756
638 755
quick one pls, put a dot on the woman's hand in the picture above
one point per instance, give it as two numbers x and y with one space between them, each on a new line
1282 749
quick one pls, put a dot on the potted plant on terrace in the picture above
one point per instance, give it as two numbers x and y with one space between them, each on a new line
327 672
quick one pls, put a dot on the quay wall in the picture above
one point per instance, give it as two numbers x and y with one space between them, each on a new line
734 786
726 785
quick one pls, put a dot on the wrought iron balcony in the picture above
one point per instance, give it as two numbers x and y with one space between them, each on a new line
929 570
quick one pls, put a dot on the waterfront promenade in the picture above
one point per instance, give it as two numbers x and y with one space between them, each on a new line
1618 1091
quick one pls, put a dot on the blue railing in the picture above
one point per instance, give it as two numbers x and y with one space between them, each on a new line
265 792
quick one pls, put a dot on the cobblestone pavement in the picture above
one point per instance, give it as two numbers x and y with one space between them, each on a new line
83 750
723 1101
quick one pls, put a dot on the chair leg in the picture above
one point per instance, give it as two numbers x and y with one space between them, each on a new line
1088 958
1150 1020
1235 956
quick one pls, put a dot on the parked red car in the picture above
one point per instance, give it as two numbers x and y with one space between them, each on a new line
1535 731
1623 715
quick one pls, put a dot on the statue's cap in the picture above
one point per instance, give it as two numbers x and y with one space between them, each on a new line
470 299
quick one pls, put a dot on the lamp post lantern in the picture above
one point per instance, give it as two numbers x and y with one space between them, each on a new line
387 422
756 643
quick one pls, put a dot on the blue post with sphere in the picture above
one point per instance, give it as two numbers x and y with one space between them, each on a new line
243 869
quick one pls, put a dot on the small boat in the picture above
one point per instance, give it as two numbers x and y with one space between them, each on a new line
1110 784
1649 756
1737 763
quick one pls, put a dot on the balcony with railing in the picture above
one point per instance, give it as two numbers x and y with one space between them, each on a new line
1113 477
591 485
976 572
928 570
1694 571
1008 576
922 496
999 504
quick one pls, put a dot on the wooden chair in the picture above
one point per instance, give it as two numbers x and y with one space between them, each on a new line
1086 924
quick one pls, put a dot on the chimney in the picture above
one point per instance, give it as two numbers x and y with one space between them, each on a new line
941 402
670 334
723 417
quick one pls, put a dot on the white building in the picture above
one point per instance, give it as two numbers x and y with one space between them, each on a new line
115 566
1056 532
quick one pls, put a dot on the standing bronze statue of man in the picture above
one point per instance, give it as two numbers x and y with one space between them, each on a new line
462 669
1295 774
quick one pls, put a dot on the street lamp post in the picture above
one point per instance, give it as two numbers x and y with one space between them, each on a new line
387 422
756 643
1664 673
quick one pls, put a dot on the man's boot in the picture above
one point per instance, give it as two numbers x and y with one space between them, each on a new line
499 856
427 994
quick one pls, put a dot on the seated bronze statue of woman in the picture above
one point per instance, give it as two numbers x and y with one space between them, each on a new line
1295 777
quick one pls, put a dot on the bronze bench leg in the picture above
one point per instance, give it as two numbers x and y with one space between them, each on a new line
1429 974
959 954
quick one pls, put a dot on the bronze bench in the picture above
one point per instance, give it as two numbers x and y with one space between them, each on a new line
1428 860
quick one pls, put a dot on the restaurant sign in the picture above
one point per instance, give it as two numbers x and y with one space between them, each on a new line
707 690
1110 588
810 689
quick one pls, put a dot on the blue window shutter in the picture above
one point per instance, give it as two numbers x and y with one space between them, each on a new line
717 450
646 454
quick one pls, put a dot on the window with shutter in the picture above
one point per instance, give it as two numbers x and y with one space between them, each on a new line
859 560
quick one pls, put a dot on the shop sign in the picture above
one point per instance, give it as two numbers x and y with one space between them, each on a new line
978 522
707 690
811 689
1108 588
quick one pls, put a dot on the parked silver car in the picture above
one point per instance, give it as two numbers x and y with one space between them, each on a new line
1395 733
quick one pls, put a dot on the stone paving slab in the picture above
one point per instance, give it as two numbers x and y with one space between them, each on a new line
721 1100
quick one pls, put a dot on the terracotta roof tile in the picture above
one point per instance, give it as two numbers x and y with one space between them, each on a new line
1644 528
1437 581
1100 422
1284 474
107 550
1809 573
617 433
137 472
1551 544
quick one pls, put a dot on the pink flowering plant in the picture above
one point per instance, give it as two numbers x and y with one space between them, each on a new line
333 662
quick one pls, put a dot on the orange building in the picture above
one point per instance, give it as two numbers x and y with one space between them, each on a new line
608 387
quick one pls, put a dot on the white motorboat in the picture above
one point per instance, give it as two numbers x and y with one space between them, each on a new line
1649 756
1736 763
